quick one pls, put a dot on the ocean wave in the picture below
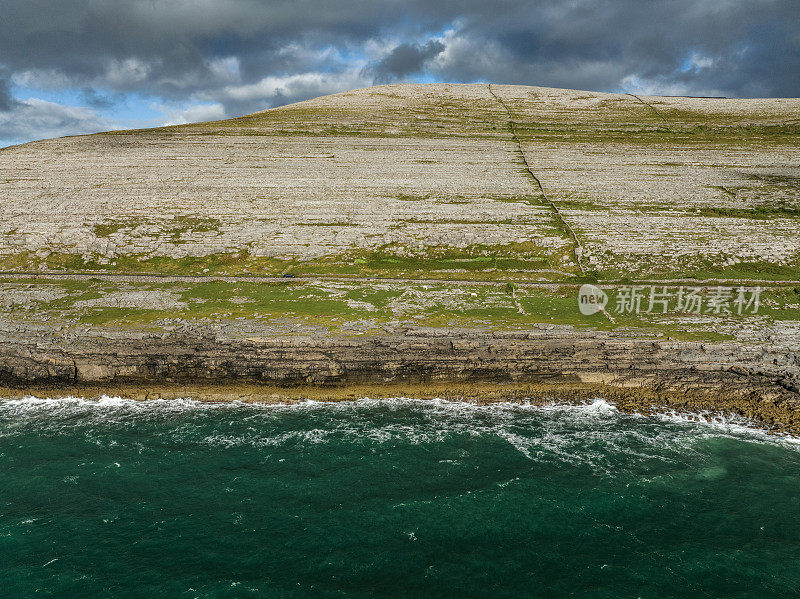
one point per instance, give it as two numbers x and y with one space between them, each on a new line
585 433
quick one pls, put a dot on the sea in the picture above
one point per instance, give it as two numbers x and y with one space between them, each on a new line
391 498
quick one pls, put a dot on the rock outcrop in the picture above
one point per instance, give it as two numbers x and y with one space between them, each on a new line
640 372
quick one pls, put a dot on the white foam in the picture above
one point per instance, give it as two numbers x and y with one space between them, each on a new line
553 430
726 423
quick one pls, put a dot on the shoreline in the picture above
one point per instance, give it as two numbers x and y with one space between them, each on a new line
770 406
637 374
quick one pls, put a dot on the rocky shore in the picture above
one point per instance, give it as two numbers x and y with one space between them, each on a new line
637 374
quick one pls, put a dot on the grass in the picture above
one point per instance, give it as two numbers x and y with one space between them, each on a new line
751 271
512 261
110 227
452 263
757 212
107 315
517 261
580 205
495 260
631 267
265 299
332 306
638 135
615 120
173 228
182 225
624 122
213 264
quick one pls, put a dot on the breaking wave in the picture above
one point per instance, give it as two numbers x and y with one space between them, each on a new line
593 434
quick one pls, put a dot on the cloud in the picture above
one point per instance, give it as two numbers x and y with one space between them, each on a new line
248 55
275 91
661 86
49 79
35 118
121 74
225 69
405 59
192 114
5 94
696 61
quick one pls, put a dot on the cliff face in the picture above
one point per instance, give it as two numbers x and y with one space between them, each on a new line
505 357
642 372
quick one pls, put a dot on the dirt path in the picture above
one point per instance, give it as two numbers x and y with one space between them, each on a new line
155 278
513 128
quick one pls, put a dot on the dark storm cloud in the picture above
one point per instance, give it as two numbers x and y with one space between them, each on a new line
740 48
165 47
175 39
5 93
245 55
5 96
404 60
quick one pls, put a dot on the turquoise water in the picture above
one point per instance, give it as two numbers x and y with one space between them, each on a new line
397 498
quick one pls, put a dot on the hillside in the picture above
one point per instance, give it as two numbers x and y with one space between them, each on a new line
425 178
410 209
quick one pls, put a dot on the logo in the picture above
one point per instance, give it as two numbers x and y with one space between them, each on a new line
654 299
591 299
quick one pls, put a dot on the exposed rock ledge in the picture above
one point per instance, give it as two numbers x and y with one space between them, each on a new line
637 374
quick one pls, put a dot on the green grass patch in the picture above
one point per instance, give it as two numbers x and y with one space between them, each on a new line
498 260
110 227
332 305
753 271
107 315
182 225
757 212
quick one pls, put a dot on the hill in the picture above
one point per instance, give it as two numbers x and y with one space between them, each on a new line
422 175
402 210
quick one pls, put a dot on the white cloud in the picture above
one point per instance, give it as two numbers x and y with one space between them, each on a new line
302 85
193 114
472 59
225 69
697 61
37 119
123 73
663 86
51 79
652 86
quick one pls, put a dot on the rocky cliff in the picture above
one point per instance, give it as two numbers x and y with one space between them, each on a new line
641 372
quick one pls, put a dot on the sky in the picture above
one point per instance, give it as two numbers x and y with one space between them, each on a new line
80 66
